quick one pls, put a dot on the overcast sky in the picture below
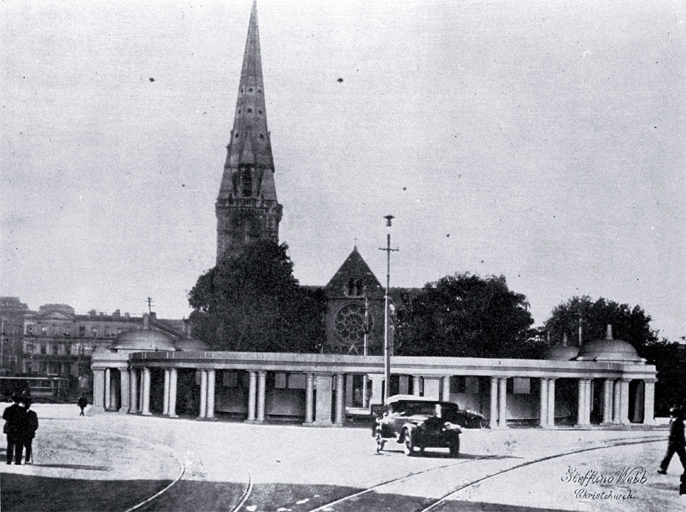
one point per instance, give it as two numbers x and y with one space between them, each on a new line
543 141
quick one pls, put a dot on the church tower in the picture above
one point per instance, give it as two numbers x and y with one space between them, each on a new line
247 209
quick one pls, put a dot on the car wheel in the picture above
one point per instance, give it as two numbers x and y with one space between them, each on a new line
408 444
455 448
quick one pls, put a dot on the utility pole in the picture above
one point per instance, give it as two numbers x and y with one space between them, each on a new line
387 341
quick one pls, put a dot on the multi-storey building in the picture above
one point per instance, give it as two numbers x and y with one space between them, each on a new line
12 312
59 342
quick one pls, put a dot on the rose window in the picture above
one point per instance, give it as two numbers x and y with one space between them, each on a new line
350 323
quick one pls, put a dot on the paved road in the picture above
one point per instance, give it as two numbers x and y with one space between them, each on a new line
115 462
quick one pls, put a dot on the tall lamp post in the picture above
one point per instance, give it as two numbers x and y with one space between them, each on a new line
387 341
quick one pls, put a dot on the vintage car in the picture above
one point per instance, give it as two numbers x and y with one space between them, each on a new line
418 423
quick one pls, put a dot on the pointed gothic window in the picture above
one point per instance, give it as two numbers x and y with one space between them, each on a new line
246 178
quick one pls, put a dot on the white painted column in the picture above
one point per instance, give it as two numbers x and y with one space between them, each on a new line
146 392
446 389
165 404
261 393
494 402
211 383
589 400
416 385
551 403
617 399
581 402
543 407
309 399
624 407
133 377
108 389
125 392
323 403
649 403
365 394
607 401
502 403
173 385
252 395
340 411
203 394
98 391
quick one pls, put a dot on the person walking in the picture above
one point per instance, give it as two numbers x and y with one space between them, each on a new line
677 443
82 403
15 427
30 432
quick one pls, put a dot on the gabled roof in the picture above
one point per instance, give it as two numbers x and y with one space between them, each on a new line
354 267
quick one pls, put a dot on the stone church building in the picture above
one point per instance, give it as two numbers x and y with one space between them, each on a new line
145 371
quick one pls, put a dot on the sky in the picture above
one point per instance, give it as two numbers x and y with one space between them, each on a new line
542 141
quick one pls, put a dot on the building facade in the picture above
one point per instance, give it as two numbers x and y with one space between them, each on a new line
12 313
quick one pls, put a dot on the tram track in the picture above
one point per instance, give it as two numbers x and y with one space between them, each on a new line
438 503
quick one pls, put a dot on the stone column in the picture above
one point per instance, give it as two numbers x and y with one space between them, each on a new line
624 407
125 391
340 409
649 403
551 403
323 405
617 400
349 388
133 378
261 393
446 389
203 394
416 385
146 391
607 401
98 391
309 399
165 404
211 382
589 400
365 395
252 395
494 402
502 403
173 385
108 389
543 407
581 402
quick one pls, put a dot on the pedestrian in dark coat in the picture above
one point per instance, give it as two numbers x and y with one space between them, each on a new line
82 403
31 427
15 428
677 443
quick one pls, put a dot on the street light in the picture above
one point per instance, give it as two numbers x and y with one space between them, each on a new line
386 344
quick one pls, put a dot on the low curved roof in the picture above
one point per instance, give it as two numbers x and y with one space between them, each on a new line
191 345
143 340
608 349
561 353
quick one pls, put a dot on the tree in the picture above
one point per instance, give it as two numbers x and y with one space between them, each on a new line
250 301
464 316
630 324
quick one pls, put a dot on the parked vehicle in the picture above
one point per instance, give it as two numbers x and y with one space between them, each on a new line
418 423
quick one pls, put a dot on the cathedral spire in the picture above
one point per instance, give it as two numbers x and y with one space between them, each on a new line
247 208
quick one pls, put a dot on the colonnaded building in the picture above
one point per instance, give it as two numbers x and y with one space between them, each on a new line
147 371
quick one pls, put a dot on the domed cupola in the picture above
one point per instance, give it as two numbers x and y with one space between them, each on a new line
609 349
561 351
143 340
